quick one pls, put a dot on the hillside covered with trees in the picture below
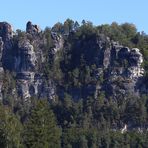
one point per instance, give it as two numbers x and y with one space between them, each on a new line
73 86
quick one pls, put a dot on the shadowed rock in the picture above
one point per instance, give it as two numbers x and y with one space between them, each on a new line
32 29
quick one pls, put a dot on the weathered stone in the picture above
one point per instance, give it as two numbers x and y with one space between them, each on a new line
106 60
120 66
1 50
26 57
58 41
6 31
32 29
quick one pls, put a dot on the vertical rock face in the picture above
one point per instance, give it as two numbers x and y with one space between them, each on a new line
135 60
26 57
1 68
58 41
120 66
23 60
124 71
25 64
1 50
130 60
30 81
6 31
106 60
6 35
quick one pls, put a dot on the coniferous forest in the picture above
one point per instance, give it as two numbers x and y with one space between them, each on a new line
73 85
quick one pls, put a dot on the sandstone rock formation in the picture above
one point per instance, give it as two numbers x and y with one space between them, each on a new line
32 29
121 66
22 60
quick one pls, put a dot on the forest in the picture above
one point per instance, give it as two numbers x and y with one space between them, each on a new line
78 116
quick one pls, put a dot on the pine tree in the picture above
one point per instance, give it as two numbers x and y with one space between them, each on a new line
83 142
10 129
41 130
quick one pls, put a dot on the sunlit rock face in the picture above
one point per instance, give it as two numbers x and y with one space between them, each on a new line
1 82
136 59
22 58
131 60
58 41
5 34
120 66
26 57
31 83
124 70
1 49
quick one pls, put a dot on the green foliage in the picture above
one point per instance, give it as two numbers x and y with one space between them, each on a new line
8 88
41 129
92 121
10 129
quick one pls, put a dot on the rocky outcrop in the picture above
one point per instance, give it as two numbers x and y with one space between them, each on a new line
123 71
26 59
23 59
135 60
1 68
30 81
58 41
119 66
36 87
32 29
1 49
6 31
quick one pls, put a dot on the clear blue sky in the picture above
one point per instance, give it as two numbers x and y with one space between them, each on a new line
48 12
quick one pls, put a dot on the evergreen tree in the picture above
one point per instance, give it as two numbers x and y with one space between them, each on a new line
10 129
41 130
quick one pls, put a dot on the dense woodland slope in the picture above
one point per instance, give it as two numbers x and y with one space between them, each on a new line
73 86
